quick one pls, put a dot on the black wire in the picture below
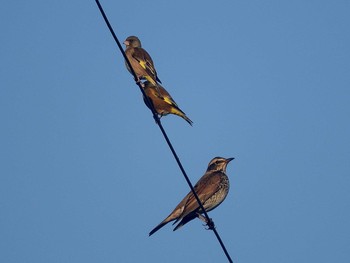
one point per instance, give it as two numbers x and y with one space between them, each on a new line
210 222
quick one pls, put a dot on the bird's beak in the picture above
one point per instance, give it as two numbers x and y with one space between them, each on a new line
229 159
126 43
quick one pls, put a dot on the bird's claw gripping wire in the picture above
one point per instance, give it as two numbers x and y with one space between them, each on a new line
156 118
140 83
210 224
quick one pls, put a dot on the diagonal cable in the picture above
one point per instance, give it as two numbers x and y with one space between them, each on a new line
210 222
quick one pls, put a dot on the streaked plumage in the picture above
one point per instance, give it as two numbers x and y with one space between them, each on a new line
212 189
140 60
162 102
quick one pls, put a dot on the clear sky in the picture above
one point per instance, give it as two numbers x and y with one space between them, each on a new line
85 173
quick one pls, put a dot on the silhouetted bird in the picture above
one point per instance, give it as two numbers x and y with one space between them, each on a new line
212 189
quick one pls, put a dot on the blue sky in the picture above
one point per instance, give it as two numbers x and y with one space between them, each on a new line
85 173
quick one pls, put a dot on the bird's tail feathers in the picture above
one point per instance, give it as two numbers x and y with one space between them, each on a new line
170 218
185 220
158 227
188 120
178 112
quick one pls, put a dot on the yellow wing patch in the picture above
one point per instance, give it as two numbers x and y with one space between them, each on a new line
143 64
150 79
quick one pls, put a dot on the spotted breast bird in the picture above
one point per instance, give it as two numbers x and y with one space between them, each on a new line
140 60
162 102
212 189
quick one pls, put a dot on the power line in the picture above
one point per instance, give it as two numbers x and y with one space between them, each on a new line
210 222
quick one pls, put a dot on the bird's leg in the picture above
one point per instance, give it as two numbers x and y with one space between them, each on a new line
139 82
210 224
203 218
156 118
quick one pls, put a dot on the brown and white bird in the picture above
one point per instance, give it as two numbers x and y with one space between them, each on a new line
140 60
212 189
162 102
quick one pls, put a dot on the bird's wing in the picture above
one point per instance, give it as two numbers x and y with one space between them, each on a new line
145 61
164 95
205 188
168 99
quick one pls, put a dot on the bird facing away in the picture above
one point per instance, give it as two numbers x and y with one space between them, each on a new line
140 60
212 189
162 102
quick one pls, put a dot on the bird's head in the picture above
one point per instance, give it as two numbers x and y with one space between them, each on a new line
219 164
132 41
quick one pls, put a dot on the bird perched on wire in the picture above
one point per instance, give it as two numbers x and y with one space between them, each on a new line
162 102
140 60
212 189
